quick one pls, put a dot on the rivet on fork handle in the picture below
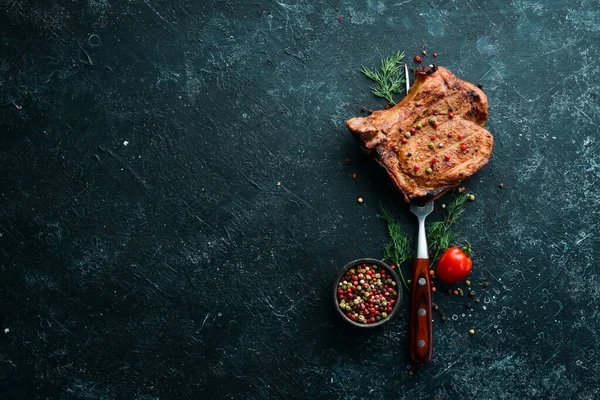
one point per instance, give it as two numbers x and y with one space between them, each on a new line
421 338
421 330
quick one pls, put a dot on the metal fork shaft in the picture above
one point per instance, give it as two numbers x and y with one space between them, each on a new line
422 251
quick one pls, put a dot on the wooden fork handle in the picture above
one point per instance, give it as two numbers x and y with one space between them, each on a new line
421 333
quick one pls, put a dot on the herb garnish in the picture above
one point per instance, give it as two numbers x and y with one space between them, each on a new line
388 80
441 233
398 249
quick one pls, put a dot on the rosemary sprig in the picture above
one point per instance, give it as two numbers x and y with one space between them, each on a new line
398 249
389 79
441 233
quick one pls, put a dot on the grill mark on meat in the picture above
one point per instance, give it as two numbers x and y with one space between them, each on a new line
461 173
474 95
435 92
447 100
441 152
473 111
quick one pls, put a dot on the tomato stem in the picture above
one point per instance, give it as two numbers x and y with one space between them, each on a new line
467 249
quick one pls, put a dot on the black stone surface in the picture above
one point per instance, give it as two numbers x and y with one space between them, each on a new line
147 252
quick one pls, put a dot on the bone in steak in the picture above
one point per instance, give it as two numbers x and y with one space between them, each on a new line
450 145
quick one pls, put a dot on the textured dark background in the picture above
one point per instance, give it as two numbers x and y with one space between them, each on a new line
146 251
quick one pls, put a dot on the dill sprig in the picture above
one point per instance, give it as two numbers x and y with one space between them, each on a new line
398 249
389 79
440 234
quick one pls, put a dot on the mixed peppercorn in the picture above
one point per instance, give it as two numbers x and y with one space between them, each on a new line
432 121
367 294
419 59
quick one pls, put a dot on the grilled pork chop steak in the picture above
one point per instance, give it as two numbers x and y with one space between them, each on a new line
433 139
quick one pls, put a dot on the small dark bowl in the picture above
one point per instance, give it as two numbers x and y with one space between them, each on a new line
380 264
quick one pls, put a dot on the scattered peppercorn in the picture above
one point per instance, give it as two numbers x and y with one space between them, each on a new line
501 186
447 157
468 282
407 134
363 109
435 125
477 300
433 137
440 145
433 160
463 147
429 171
416 167
431 66
387 106
419 126
403 140
449 134
360 200
348 161
418 59
468 305
430 145
471 293
486 284
471 197
354 176
443 319
424 52
436 307
451 115
431 120
339 19
480 86
435 54
408 154
455 292
460 136
413 130
443 206
471 331
433 289
371 111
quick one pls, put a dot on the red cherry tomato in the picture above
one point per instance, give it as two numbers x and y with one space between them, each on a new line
454 265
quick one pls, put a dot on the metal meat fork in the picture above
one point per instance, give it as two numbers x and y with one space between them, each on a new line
421 331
